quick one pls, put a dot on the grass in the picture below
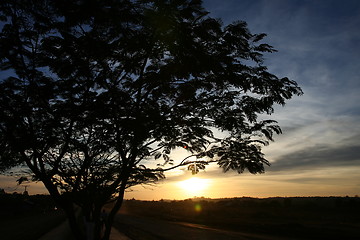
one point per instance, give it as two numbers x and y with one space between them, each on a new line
30 227
328 218
320 218
27 217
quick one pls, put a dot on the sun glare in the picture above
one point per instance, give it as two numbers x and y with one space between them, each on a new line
195 186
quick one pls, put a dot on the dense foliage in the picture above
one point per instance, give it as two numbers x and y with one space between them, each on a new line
93 91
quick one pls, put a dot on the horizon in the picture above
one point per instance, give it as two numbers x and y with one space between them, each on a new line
129 195
197 198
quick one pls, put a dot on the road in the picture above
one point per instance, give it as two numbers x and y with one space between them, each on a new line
154 229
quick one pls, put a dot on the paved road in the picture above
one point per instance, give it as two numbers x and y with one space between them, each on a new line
63 232
155 229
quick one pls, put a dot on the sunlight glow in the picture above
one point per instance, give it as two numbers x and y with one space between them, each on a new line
195 186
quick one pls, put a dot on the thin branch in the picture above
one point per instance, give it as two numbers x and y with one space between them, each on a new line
179 165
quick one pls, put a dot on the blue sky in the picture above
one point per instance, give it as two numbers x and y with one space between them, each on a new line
318 44
319 152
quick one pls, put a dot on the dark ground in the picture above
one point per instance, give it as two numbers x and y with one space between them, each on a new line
27 217
242 218
155 229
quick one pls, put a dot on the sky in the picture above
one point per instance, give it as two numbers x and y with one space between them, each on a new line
318 153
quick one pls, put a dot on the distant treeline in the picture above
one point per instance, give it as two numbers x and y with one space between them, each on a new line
332 201
19 204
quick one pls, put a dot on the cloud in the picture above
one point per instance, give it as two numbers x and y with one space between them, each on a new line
333 140
319 151
318 157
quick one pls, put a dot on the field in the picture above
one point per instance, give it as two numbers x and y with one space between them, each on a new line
27 217
303 217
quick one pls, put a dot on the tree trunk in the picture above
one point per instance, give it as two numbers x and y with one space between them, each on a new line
113 212
74 223
66 205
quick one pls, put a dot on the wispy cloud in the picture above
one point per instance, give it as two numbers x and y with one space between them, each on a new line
317 48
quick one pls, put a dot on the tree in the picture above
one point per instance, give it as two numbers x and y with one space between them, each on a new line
93 92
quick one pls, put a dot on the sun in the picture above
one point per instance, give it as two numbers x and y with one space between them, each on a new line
195 186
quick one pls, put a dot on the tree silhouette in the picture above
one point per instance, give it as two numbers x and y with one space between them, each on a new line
93 92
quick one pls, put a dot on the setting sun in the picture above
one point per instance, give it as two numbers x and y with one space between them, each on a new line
195 186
